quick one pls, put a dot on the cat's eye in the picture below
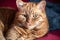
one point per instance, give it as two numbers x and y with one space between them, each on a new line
24 15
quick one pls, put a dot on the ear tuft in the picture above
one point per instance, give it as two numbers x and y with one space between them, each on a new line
19 3
41 5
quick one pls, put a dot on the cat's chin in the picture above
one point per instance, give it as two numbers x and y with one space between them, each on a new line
30 27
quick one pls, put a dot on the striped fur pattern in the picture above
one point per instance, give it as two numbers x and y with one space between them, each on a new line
30 21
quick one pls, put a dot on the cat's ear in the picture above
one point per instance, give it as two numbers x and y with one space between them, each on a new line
19 3
41 5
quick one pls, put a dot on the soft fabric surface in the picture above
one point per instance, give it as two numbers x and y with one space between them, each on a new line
52 35
51 12
52 1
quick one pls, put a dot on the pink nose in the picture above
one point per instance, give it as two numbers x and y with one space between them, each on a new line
27 25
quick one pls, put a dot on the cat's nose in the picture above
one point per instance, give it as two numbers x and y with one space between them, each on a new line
29 18
30 26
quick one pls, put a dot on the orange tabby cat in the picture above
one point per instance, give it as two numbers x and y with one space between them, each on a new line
30 21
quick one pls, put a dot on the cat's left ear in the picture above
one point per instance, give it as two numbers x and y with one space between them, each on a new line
19 3
41 5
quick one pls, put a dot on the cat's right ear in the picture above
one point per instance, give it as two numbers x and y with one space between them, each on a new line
19 4
41 5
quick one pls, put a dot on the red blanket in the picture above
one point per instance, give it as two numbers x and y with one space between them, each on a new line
52 35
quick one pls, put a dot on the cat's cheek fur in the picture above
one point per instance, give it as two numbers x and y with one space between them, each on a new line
35 24
21 18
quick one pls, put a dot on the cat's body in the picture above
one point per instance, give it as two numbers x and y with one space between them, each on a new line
6 17
30 21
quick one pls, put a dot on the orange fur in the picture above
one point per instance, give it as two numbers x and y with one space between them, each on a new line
30 21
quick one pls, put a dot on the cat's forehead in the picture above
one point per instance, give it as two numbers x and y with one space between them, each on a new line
31 3
30 6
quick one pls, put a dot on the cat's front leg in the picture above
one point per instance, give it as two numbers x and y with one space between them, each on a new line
1 36
12 34
1 31
18 33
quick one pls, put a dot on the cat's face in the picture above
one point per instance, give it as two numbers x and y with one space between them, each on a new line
30 14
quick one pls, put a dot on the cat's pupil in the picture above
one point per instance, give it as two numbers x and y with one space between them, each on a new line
24 15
